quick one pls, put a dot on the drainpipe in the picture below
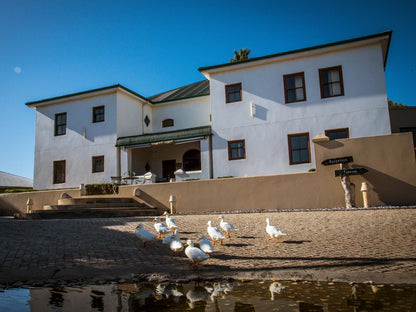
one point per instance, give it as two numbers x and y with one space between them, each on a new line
211 162
118 161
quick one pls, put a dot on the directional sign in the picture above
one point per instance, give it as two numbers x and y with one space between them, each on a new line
347 172
334 161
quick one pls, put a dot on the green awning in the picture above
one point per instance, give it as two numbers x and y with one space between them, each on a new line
191 133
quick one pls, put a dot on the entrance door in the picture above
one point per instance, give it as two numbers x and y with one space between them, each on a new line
168 168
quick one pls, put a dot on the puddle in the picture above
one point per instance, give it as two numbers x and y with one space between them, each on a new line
250 296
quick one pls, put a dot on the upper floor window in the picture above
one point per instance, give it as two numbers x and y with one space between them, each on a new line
97 164
236 150
59 171
167 123
192 160
294 87
335 134
60 124
98 114
299 148
331 81
233 92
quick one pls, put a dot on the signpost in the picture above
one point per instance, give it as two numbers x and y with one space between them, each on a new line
334 161
348 172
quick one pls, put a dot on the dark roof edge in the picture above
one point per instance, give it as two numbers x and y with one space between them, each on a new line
86 92
180 99
327 45
173 131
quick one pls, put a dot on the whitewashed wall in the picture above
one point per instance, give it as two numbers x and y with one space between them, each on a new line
73 147
363 109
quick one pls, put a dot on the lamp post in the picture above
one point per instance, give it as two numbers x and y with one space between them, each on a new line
364 190
29 205
172 201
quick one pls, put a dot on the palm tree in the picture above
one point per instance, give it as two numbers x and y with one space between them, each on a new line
240 55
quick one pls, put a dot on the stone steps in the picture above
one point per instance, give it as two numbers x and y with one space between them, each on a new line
92 207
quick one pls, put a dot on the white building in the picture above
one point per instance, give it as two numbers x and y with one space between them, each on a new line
249 118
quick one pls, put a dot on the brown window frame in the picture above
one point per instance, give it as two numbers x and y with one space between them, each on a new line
230 149
302 74
327 132
289 136
228 93
96 114
340 81
60 127
96 159
169 122
56 174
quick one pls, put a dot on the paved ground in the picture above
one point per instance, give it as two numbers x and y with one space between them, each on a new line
358 245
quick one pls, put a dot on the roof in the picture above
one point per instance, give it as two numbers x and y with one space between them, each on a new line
11 180
196 89
88 92
328 45
190 133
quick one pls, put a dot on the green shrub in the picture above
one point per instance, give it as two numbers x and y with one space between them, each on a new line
101 189
18 190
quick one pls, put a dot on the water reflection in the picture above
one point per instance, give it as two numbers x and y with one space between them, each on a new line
256 296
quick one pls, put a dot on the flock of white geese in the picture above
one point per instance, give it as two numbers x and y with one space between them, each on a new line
195 254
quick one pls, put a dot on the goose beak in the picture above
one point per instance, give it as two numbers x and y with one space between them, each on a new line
154 220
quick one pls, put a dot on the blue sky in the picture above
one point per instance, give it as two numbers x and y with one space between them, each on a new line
56 47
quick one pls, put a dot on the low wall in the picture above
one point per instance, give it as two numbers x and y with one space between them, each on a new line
391 175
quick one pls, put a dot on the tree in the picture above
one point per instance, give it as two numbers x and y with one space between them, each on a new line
240 55
395 104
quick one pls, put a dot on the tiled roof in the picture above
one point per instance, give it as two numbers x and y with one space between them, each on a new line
193 90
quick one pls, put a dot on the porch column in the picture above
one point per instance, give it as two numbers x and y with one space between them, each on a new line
118 162
211 164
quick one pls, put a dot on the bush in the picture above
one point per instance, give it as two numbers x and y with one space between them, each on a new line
101 189
18 190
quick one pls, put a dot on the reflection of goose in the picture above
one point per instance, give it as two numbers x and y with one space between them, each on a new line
273 231
160 228
166 290
143 235
205 244
221 289
196 294
144 292
194 253
170 222
275 288
214 233
226 226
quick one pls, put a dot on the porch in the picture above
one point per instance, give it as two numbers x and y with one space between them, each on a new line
164 153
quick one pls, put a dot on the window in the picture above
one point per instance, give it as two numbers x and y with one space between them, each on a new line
335 134
331 81
299 151
236 150
98 114
167 123
59 171
97 164
233 92
60 124
294 87
192 160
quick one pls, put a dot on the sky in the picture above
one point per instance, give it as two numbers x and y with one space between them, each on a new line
51 48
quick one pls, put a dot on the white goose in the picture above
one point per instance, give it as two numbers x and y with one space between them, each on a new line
175 243
143 235
215 234
226 226
205 244
170 222
194 253
273 231
160 228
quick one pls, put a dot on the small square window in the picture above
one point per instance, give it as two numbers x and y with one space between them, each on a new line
60 124
331 81
98 114
236 150
335 134
299 148
97 164
233 93
294 87
59 171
